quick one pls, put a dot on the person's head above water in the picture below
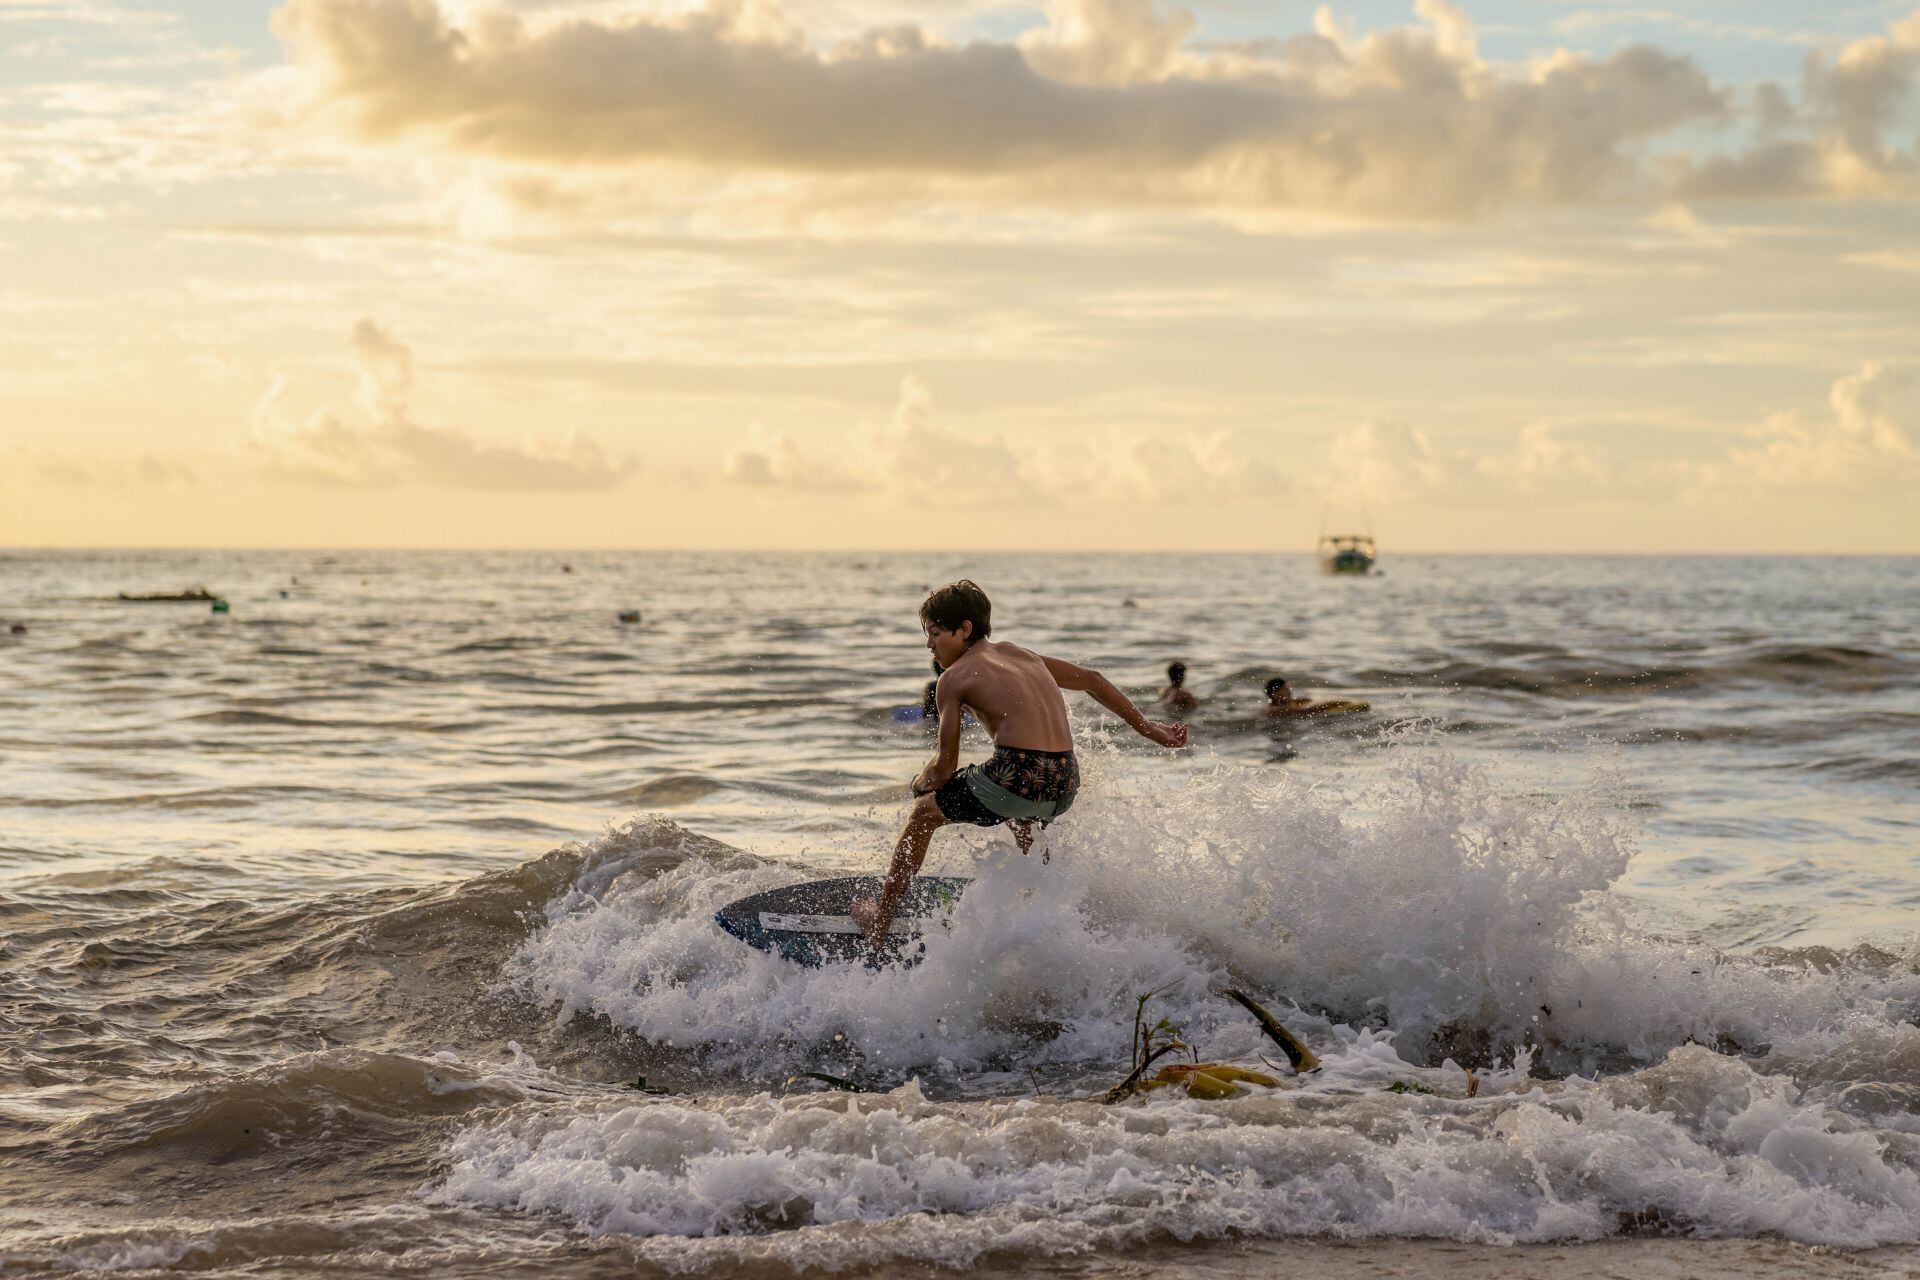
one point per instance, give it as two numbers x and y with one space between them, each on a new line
1176 673
1277 686
954 617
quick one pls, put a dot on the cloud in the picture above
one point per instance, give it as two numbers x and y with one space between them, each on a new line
1542 460
1391 461
1176 469
1586 20
1850 100
393 449
915 458
1107 42
1866 446
95 13
776 462
1108 102
134 471
911 457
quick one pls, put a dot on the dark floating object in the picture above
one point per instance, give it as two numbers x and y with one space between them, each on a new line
221 606
629 615
18 629
566 568
835 1082
1297 1053
1128 603
199 595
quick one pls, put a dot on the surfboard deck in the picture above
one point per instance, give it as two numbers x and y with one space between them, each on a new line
1338 706
808 923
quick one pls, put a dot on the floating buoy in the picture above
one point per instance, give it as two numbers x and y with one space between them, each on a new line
629 615
18 629
221 606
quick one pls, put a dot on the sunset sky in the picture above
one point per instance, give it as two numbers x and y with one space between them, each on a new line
928 273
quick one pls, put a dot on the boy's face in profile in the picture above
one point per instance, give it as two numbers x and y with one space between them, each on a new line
947 646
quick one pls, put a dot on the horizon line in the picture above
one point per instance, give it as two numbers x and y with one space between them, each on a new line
920 551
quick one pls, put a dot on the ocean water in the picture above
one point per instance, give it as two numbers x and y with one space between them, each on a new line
338 928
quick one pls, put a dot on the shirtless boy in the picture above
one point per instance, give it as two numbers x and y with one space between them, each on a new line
1015 693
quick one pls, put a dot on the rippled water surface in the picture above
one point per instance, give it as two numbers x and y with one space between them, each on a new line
335 925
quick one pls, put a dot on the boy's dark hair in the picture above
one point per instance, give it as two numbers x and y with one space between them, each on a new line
1176 672
959 602
1274 684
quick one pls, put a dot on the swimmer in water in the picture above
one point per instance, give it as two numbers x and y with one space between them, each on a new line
1175 696
929 704
1016 693
1281 702
1282 705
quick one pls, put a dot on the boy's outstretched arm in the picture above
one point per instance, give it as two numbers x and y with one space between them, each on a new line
1068 676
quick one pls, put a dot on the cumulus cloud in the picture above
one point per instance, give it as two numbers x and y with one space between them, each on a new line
1110 100
916 458
775 461
1835 139
911 456
1866 444
1391 460
1109 42
1395 462
391 448
1541 459
1176 469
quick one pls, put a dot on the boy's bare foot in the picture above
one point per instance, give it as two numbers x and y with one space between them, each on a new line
866 914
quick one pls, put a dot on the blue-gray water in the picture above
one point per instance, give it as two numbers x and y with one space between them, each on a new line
339 918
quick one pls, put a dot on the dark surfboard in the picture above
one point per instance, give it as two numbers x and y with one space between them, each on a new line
808 923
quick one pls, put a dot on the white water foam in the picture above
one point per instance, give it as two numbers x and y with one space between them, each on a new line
1700 1144
1459 916
1429 910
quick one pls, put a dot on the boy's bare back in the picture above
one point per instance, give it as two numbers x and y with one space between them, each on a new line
1016 693
1013 694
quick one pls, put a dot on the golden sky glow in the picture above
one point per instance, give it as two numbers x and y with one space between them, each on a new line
884 273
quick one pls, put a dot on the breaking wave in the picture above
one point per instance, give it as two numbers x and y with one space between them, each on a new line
1506 1058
